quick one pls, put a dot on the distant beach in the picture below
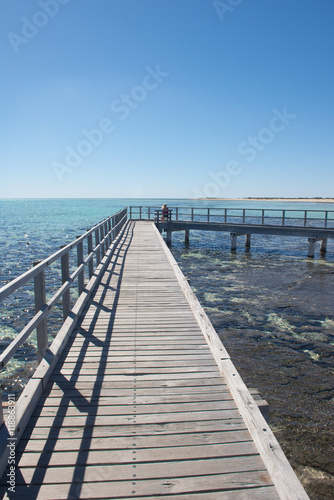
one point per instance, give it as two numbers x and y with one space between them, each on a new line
304 200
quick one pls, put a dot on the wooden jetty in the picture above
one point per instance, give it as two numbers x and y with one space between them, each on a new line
136 397
313 225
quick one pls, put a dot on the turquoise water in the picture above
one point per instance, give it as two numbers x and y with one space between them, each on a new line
32 229
272 307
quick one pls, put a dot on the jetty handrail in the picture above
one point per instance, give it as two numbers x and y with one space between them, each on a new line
105 233
257 216
163 215
21 280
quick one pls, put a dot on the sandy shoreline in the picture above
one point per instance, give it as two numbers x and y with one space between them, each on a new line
310 200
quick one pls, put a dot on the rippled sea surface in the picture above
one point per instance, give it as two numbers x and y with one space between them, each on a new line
272 307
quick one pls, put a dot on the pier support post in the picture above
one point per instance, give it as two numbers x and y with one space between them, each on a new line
233 241
186 236
311 247
169 237
247 242
323 246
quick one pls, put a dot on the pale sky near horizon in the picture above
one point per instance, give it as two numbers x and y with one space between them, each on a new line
167 98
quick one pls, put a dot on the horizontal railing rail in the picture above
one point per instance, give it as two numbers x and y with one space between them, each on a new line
104 234
163 215
282 217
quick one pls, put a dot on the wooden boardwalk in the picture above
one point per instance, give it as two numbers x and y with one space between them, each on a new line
137 406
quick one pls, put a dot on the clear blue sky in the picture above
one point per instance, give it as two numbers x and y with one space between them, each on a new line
167 98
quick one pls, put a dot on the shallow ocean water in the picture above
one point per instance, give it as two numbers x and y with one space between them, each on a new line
271 306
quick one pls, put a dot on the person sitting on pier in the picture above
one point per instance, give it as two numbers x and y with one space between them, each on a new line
165 212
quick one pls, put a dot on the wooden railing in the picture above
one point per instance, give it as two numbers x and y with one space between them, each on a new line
163 215
299 218
104 234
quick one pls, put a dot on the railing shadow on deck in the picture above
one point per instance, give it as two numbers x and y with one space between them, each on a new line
81 463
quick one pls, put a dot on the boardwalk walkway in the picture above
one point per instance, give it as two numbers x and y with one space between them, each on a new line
137 406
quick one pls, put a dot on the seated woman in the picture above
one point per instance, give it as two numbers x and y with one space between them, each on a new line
164 210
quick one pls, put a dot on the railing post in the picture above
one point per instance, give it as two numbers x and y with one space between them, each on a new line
81 284
97 241
305 217
243 216
326 218
131 212
113 228
107 237
65 274
149 213
208 214
177 213
139 213
109 232
225 214
90 249
101 241
283 217
192 215
262 217
40 301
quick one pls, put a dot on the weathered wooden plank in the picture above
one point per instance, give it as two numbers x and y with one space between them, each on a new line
144 471
78 401
124 362
132 408
117 351
258 493
171 385
126 442
123 419
135 488
121 397
239 456
155 429
140 376
109 370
